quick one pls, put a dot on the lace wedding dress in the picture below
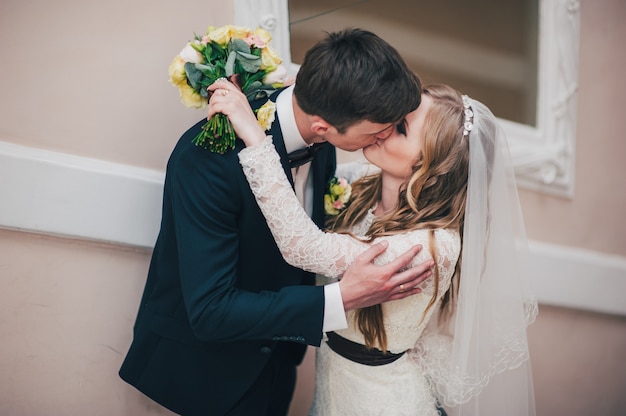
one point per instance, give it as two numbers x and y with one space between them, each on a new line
344 387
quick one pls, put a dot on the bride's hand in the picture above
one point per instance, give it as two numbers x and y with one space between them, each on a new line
227 99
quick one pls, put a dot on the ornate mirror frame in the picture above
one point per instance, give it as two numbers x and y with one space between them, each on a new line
543 155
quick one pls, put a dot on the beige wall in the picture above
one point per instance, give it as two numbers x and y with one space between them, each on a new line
66 315
90 78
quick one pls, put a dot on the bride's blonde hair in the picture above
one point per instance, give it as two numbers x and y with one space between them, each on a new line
433 197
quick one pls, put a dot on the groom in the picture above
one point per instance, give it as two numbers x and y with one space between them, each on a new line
224 320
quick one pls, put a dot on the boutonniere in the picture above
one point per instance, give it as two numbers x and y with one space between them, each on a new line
338 195
241 55
266 114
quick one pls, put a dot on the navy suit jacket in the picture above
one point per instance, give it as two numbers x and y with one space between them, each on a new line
219 296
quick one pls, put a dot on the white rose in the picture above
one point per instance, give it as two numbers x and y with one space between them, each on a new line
277 76
189 54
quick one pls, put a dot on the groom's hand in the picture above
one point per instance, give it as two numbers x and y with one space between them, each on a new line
366 284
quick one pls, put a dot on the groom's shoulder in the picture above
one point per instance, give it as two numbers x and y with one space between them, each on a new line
188 136
187 155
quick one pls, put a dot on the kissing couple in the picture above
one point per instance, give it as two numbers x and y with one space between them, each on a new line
427 305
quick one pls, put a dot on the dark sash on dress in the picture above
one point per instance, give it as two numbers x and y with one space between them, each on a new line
359 353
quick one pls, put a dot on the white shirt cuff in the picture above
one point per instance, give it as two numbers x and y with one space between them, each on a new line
334 314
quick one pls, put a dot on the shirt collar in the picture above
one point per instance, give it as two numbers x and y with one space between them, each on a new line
284 108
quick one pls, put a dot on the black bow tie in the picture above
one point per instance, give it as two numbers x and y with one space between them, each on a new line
299 157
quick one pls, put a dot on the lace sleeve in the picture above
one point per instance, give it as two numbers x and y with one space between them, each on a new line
300 241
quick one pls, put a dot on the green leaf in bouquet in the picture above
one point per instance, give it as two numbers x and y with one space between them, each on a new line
230 64
248 56
194 75
214 52
252 89
260 92
249 62
207 70
238 45
203 89
250 78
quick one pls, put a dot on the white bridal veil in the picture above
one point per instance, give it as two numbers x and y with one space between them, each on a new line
482 367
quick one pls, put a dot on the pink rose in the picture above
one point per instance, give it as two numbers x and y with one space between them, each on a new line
254 40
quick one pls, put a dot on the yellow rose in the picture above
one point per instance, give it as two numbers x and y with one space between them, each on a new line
270 59
220 35
336 190
328 206
266 115
224 34
239 32
190 98
346 195
177 72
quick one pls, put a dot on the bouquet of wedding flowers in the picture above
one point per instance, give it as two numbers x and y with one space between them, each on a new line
338 195
239 54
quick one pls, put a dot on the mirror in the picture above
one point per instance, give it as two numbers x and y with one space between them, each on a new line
523 62
485 48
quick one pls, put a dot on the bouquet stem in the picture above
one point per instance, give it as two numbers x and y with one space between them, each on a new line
217 135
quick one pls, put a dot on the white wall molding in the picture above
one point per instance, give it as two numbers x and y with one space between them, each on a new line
59 194
64 195
576 278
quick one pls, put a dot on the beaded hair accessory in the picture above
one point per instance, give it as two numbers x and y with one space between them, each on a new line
469 116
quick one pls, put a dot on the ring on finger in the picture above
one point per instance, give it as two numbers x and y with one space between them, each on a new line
225 92
401 288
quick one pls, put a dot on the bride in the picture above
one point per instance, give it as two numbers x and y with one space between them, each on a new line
445 182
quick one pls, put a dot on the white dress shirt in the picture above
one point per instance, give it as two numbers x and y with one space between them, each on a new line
334 313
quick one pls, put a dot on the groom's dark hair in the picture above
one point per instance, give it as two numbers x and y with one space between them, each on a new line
354 75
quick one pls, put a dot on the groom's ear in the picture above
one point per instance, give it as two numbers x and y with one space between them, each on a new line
320 127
